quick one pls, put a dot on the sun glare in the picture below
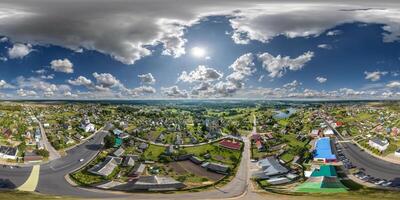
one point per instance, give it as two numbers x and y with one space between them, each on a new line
198 52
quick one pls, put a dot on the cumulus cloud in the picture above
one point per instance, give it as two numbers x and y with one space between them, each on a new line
321 79
26 93
394 84
374 76
200 74
305 20
5 85
19 50
126 29
174 92
62 65
292 85
277 66
106 80
141 90
81 80
242 68
147 78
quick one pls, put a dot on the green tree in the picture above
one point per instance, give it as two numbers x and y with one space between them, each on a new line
42 152
109 141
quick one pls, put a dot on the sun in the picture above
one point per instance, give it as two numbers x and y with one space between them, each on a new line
198 52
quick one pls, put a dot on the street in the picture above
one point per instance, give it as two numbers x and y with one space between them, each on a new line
52 177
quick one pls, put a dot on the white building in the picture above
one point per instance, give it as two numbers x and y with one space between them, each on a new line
380 144
328 132
8 152
88 127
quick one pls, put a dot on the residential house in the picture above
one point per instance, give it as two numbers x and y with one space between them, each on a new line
269 167
157 183
106 167
7 152
230 144
216 167
379 144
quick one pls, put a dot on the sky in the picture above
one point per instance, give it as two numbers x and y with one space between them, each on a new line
199 49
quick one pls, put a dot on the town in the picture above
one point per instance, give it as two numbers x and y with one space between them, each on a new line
297 148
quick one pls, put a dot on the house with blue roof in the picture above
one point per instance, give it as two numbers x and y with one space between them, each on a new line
323 151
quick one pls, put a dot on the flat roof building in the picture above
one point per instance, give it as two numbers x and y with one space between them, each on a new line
323 150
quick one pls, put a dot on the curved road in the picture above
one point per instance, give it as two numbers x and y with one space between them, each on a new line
373 166
52 177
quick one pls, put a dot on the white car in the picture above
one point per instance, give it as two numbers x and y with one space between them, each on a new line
81 160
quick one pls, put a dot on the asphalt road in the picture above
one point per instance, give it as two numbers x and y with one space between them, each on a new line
52 177
371 165
53 153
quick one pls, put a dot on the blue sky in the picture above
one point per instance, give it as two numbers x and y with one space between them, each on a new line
243 53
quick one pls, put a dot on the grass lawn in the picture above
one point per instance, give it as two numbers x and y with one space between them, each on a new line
83 177
217 153
287 157
153 152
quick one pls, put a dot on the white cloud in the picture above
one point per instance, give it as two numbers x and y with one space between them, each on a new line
5 85
260 78
106 80
3 39
126 29
81 80
40 71
200 74
292 85
242 68
321 79
334 32
26 93
277 66
62 65
374 76
394 84
50 76
174 92
142 90
147 78
4 59
324 46
19 50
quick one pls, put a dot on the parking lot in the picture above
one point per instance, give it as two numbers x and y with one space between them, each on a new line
370 168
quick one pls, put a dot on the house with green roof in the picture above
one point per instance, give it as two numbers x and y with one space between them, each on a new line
322 180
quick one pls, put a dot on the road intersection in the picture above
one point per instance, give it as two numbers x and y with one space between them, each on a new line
51 177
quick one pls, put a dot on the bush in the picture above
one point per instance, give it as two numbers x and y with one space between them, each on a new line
42 152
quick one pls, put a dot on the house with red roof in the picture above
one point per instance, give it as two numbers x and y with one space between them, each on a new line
230 144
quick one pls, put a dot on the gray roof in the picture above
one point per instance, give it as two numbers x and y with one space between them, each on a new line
128 161
119 152
137 170
380 142
106 167
269 167
216 167
157 183
10 151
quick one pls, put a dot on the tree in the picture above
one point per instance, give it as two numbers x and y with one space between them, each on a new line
109 141
42 152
